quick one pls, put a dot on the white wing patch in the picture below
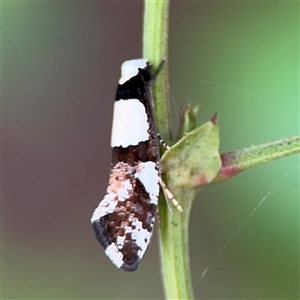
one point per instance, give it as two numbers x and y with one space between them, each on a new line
115 255
148 175
130 123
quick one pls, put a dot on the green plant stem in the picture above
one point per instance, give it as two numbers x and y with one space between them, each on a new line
237 161
173 228
174 249
155 48
185 176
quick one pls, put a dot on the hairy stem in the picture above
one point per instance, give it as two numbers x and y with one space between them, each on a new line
173 228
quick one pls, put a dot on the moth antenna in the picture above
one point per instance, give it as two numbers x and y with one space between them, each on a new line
162 142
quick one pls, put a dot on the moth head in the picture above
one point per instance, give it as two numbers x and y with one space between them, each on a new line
130 68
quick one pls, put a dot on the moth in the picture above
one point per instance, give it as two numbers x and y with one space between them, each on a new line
123 221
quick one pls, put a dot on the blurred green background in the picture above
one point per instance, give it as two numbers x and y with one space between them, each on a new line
60 66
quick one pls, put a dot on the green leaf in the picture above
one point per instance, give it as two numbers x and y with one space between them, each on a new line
194 160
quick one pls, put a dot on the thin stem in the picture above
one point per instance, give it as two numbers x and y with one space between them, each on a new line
173 228
155 48
174 250
193 161
237 161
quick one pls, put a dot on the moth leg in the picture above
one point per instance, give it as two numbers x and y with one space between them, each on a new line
169 196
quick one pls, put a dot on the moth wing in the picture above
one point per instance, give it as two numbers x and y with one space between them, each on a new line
123 221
